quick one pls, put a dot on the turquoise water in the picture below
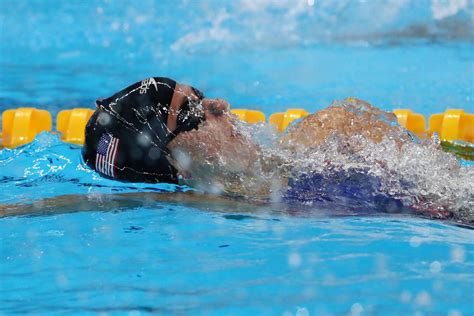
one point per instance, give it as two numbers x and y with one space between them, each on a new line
151 256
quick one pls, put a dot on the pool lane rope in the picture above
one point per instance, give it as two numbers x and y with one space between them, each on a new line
20 126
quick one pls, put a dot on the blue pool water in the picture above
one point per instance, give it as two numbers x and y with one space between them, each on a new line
142 257
169 259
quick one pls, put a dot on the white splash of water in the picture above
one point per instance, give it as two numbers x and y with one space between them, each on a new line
416 172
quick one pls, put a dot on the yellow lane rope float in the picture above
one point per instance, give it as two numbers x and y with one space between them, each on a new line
20 126
411 121
453 125
71 124
249 116
282 119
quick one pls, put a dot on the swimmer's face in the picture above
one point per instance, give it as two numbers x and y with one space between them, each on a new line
214 150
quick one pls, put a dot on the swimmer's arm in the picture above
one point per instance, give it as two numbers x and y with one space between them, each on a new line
116 202
181 92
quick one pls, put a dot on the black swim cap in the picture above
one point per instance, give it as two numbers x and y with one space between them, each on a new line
127 136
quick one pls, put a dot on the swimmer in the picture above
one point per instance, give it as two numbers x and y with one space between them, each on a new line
158 130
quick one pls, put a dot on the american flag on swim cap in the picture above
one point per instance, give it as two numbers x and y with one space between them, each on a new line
106 154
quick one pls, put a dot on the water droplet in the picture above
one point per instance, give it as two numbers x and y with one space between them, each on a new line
423 299
103 119
458 254
435 267
294 259
356 309
454 313
143 139
154 153
216 188
302 311
182 158
415 241
115 26
405 297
